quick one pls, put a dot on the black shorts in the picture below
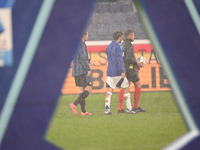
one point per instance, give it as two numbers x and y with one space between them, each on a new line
132 78
82 80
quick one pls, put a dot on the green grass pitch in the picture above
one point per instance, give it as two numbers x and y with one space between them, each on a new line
151 130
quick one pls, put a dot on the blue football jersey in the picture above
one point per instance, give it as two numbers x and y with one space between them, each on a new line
114 53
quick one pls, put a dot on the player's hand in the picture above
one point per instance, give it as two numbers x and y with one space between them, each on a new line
123 75
92 62
89 73
141 64
137 68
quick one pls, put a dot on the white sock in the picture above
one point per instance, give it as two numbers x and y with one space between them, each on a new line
107 101
127 100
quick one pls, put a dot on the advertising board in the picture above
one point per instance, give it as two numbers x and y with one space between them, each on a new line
152 76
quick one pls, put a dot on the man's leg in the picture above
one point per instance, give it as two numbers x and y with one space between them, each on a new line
137 93
87 91
77 101
121 100
84 95
107 101
127 98
82 103
82 82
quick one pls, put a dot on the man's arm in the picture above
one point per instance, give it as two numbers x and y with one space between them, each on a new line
84 57
119 58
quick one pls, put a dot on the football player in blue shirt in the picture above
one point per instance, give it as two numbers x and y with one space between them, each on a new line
116 73
81 73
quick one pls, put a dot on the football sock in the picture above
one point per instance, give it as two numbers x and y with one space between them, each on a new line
82 102
127 100
137 97
81 97
107 100
121 99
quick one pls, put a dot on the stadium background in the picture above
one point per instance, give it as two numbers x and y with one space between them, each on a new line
108 17
36 100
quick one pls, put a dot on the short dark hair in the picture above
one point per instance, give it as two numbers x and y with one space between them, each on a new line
117 34
128 32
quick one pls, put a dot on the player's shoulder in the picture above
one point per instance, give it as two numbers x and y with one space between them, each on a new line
116 44
127 45
126 42
109 45
113 44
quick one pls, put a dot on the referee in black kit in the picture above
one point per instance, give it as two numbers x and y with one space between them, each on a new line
81 73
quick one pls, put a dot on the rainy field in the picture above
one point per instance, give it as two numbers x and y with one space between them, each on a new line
152 130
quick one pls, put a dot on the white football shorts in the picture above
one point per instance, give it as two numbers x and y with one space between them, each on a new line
117 81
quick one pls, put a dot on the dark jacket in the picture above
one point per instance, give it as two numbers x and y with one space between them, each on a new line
130 62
